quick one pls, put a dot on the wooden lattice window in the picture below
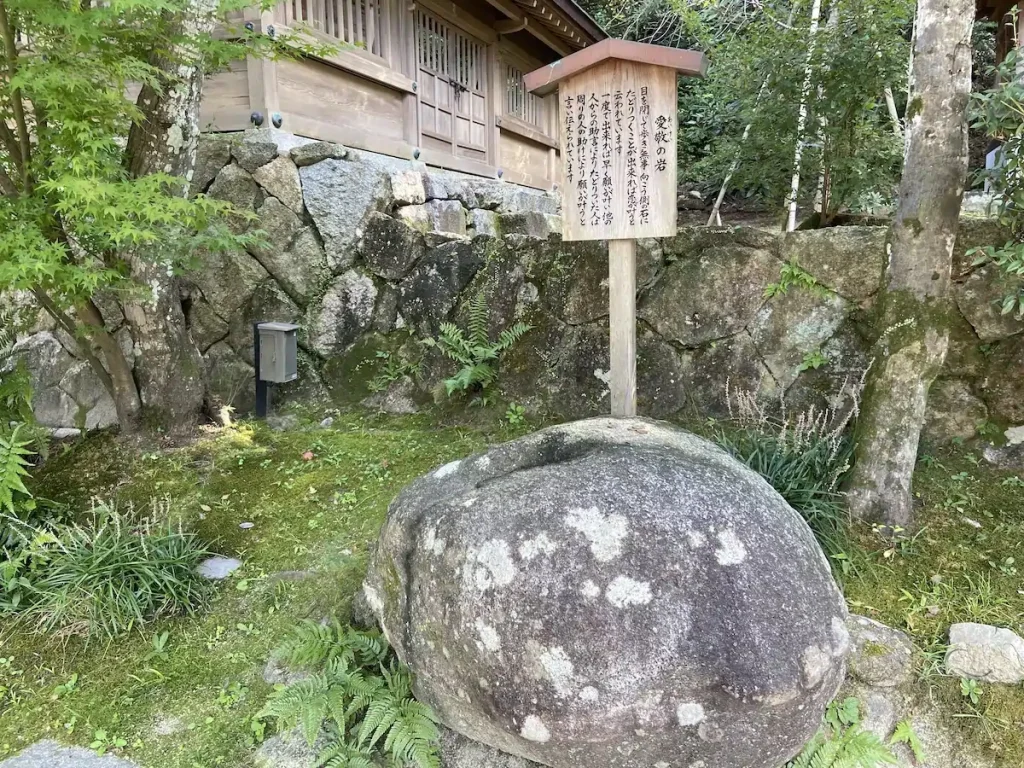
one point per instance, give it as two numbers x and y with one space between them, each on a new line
520 103
452 75
365 24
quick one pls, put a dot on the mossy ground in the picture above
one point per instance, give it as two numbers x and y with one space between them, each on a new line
964 562
306 553
304 557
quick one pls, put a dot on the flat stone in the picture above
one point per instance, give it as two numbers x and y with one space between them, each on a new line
980 298
65 433
711 294
50 754
397 398
530 223
459 752
390 247
340 195
986 653
253 152
212 154
408 187
849 260
446 216
288 750
345 312
218 567
280 178
954 412
235 185
484 222
882 656
317 151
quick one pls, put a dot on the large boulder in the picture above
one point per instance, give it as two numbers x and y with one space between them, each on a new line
611 592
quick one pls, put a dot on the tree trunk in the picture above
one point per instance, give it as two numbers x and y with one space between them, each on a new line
169 367
801 122
915 304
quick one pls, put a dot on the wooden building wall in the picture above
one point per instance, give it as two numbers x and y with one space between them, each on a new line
388 87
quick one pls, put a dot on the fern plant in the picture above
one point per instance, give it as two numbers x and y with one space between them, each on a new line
473 349
359 697
843 743
854 748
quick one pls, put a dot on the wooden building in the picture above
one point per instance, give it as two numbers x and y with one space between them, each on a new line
440 81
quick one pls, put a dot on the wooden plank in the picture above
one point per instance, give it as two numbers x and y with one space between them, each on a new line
356 138
356 61
619 152
407 31
225 102
350 21
443 159
525 160
316 91
513 124
544 80
622 325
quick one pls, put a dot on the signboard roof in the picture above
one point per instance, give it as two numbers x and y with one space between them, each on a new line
546 79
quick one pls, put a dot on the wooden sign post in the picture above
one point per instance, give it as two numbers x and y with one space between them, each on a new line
618 122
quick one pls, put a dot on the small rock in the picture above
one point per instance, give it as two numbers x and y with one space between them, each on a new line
246 526
484 222
398 398
280 178
65 433
168 726
50 754
276 672
933 610
986 653
288 750
361 612
310 154
408 188
218 567
283 422
882 656
253 154
935 579
326 423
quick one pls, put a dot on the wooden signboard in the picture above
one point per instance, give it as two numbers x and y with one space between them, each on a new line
618 120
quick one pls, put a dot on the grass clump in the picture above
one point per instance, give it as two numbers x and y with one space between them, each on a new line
106 575
360 697
803 458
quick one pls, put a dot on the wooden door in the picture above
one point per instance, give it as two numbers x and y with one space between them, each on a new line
452 75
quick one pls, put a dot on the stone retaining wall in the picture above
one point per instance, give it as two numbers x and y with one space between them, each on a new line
371 254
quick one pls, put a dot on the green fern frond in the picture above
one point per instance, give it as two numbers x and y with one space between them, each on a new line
510 336
478 335
905 734
361 698
855 748
14 453
340 754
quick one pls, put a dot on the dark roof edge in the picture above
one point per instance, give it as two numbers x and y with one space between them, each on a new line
581 18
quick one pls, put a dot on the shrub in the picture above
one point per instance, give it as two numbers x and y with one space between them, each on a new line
803 458
360 696
111 574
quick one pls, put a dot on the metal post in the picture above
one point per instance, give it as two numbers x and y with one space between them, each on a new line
262 387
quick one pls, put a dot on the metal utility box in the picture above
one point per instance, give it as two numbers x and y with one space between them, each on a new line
277 352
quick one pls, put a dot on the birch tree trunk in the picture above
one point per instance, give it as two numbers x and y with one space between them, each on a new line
168 366
801 121
915 304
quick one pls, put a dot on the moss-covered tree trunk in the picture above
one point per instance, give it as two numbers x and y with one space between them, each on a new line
168 365
913 332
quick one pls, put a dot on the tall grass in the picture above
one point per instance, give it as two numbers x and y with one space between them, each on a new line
111 573
804 457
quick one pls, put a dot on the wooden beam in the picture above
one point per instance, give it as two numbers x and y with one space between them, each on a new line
512 11
622 325
509 26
